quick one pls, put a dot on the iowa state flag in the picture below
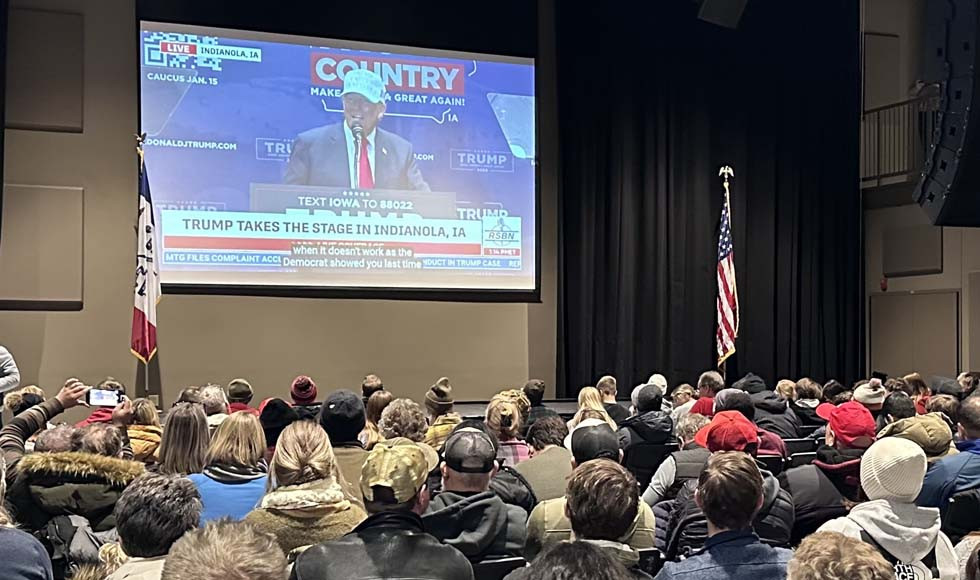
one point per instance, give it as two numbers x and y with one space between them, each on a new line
146 289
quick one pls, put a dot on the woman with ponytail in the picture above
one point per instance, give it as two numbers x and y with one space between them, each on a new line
308 501
504 420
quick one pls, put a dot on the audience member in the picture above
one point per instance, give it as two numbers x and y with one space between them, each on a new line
508 484
967 554
709 383
774 517
772 411
233 479
786 389
303 392
467 515
571 561
392 541
808 394
832 389
920 391
369 386
607 389
548 523
23 556
145 432
683 399
730 492
960 471
275 416
896 406
948 405
820 489
969 381
23 399
893 384
737 400
371 434
342 417
190 394
590 406
239 396
32 421
403 418
650 424
442 420
534 391
504 421
931 432
152 514
833 556
215 403
680 466
185 441
907 536
519 399
308 501
225 550
104 414
602 504
971 570
871 395
550 464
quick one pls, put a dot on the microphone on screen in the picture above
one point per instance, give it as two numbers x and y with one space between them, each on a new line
357 130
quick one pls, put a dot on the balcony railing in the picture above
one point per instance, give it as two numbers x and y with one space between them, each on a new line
895 139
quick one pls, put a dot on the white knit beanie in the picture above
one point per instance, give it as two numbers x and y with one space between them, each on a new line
893 468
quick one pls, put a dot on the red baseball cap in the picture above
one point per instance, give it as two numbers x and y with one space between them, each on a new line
851 422
728 431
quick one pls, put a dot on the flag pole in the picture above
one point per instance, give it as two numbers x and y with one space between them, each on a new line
140 139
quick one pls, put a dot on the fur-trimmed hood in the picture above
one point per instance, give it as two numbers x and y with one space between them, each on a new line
71 466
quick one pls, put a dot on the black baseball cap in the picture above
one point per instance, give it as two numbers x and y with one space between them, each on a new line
595 442
469 450
342 416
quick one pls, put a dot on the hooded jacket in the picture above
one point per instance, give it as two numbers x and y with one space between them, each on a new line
689 527
929 431
650 427
390 545
305 514
806 411
905 531
772 413
479 525
70 483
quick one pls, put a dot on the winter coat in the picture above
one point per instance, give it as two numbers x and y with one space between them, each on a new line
439 430
661 514
350 461
951 475
806 410
140 569
70 483
308 412
512 488
480 525
929 431
622 553
23 557
689 528
389 545
547 472
548 525
905 531
305 514
650 427
145 440
226 495
772 413
816 499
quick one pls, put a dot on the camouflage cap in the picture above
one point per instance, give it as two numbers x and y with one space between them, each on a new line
402 468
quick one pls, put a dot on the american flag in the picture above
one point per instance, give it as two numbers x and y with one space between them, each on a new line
146 289
727 291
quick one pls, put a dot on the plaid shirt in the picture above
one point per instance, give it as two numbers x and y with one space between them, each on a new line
513 452
439 431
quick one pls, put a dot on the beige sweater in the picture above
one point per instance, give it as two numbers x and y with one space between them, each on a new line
302 515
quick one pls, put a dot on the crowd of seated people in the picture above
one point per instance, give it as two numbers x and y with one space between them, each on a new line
804 481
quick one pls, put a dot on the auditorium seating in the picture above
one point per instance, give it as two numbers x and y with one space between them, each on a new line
643 460
798 459
794 446
772 463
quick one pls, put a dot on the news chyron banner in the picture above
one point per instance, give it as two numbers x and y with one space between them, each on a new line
288 161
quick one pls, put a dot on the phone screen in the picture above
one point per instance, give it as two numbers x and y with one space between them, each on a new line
103 398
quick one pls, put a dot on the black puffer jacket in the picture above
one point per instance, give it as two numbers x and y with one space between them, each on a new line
815 499
386 545
689 528
650 427
773 414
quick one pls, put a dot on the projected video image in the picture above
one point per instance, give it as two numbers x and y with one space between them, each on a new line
285 161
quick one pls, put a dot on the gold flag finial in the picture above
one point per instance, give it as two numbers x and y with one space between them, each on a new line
140 139
726 171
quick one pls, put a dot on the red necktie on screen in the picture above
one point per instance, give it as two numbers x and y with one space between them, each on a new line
365 179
